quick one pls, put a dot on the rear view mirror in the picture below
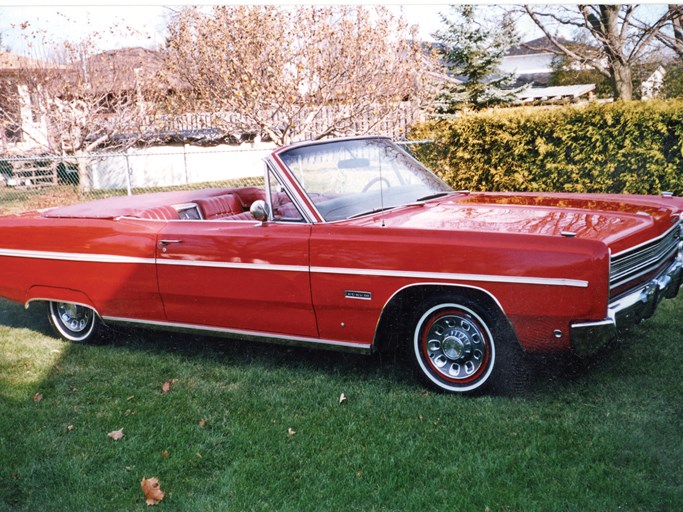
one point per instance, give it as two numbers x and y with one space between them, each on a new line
353 163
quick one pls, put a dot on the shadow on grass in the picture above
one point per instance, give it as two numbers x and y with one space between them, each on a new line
16 316
238 353
545 371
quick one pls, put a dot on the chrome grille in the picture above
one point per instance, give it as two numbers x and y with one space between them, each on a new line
631 264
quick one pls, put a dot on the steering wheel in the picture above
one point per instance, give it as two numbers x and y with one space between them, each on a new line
374 180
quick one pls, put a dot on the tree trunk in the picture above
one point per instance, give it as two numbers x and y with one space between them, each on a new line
607 26
676 13
621 81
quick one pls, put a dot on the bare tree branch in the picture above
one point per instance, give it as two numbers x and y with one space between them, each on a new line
561 48
674 38
621 38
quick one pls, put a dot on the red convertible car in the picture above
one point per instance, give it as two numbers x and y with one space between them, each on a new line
351 244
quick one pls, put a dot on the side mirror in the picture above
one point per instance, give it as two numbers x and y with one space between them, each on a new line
260 210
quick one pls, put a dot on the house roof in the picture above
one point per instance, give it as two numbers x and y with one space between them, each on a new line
533 47
555 93
12 62
123 67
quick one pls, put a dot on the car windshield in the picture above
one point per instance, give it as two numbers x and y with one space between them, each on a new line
350 178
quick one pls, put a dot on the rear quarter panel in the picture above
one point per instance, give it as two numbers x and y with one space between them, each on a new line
109 263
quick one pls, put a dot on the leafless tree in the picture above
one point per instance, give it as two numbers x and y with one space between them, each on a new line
288 71
618 38
672 36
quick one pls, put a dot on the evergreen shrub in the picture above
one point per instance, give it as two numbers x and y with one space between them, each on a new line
622 147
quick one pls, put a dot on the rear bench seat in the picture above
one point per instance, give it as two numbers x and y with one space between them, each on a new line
221 207
160 213
226 206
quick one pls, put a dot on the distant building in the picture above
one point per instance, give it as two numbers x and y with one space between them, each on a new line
557 94
23 125
652 86
110 76
531 62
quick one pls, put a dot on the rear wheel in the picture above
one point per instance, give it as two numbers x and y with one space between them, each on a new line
459 346
73 322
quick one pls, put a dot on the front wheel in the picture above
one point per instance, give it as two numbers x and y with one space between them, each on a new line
459 346
73 322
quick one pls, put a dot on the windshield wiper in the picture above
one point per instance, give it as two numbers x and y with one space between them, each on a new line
433 196
368 212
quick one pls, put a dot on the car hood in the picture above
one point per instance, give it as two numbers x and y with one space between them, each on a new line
619 221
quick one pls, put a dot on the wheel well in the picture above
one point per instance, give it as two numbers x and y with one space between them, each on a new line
397 316
52 294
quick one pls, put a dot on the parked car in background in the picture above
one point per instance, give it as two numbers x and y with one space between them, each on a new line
351 244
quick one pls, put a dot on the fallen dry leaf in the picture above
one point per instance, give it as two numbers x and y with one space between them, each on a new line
116 435
151 490
164 454
342 398
37 397
202 423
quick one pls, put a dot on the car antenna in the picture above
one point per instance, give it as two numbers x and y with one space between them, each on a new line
381 185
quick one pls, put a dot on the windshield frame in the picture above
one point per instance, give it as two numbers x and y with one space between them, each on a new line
430 183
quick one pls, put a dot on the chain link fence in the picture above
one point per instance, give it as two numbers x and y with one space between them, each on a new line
44 182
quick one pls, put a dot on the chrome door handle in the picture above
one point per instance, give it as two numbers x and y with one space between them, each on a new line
165 243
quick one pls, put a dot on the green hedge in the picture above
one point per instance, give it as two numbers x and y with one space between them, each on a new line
634 147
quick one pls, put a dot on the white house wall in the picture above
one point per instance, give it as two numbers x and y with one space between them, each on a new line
533 64
33 133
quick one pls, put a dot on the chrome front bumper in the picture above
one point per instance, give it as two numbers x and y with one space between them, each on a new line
588 337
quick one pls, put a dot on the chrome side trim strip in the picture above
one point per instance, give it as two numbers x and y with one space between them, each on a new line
185 221
242 334
68 256
112 258
576 283
242 266
457 285
27 304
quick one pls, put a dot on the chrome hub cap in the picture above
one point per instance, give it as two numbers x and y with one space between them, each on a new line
75 318
456 346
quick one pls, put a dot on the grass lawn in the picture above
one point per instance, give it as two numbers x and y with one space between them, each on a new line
260 427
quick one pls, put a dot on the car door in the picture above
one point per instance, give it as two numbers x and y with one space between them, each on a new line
237 275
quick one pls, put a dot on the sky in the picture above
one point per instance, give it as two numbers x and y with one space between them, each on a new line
62 21
80 18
